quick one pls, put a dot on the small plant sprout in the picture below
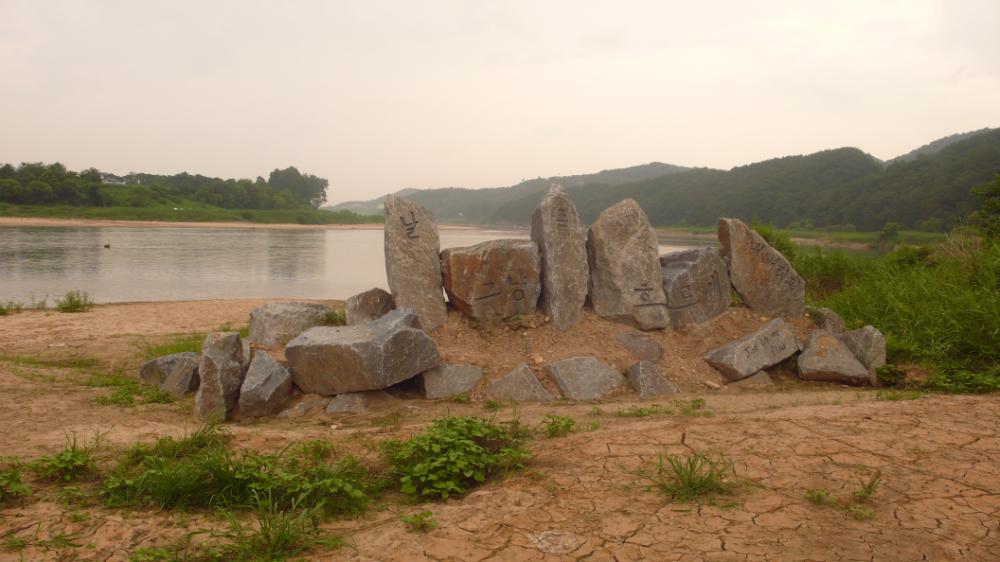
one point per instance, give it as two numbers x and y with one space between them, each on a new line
557 426
692 478
817 496
861 512
75 462
867 490
422 522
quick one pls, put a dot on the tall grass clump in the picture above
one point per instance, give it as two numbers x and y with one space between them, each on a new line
10 307
75 301
691 478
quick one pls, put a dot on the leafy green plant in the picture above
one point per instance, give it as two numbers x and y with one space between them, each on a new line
421 522
455 454
11 487
557 426
817 496
75 462
10 307
890 375
693 477
70 495
75 301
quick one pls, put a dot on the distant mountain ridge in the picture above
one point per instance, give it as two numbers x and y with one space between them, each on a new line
936 146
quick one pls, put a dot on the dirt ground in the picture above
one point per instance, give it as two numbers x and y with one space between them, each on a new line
579 497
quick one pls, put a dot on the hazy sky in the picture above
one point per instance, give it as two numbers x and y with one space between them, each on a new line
377 96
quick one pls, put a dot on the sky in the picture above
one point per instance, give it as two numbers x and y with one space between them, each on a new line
377 96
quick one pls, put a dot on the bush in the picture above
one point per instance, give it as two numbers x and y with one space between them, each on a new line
75 301
455 454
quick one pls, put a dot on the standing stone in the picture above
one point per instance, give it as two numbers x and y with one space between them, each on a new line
184 378
446 381
647 380
275 323
519 385
625 279
221 373
266 387
868 346
156 371
640 346
584 378
367 306
412 261
768 346
760 274
493 280
826 319
826 358
696 283
562 246
339 359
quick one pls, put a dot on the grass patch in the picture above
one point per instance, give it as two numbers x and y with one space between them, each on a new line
557 426
75 301
179 344
695 477
275 534
817 496
73 463
127 391
644 411
422 522
335 318
10 307
896 395
11 486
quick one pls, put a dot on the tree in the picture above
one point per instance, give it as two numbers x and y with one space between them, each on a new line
307 188
987 218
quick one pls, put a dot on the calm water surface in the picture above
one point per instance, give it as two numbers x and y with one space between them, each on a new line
161 264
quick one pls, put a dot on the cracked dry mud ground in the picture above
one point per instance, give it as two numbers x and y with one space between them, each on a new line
579 498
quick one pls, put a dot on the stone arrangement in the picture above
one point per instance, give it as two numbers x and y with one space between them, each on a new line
614 265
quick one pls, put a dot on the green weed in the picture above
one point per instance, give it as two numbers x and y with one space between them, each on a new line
492 405
644 411
75 462
10 307
817 496
896 395
890 375
75 301
125 390
868 488
861 512
692 408
181 343
557 426
335 318
275 534
693 477
11 487
420 522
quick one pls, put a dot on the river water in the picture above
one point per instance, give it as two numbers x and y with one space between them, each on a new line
164 264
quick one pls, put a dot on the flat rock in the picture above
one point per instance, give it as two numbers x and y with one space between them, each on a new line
412 261
361 402
696 284
646 379
584 378
826 358
756 380
519 385
266 387
641 347
339 359
760 274
493 280
276 323
448 380
221 373
826 319
367 306
562 247
183 379
625 279
156 371
305 406
868 346
765 347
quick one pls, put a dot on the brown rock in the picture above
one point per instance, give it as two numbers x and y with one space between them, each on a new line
562 246
493 280
367 306
412 263
760 274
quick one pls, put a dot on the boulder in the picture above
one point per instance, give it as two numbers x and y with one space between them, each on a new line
826 319
412 261
562 247
361 402
625 280
826 358
266 387
641 346
448 380
305 406
756 380
868 346
221 374
493 280
768 346
519 385
156 371
696 284
275 323
367 306
184 378
647 380
339 359
763 277
584 378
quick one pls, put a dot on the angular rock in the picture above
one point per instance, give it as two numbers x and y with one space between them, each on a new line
519 385
768 346
826 319
826 358
868 346
360 402
304 407
696 284
647 380
412 261
184 378
562 246
625 280
640 346
266 387
221 373
367 306
759 379
763 277
493 280
276 323
339 359
584 378
448 380
157 370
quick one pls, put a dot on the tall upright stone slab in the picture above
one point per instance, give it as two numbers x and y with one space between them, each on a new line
625 279
760 274
412 261
562 246
221 373
493 280
696 283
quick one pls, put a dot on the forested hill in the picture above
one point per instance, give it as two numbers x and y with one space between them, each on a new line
936 146
929 189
